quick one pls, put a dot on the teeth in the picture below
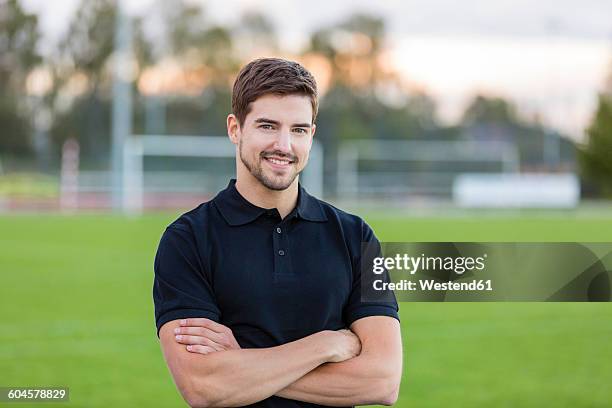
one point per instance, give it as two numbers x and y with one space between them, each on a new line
276 161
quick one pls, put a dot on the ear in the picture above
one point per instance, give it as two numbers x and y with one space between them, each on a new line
233 128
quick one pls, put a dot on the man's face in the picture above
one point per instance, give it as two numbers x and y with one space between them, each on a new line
275 139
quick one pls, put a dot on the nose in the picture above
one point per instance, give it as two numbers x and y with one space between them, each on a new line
283 142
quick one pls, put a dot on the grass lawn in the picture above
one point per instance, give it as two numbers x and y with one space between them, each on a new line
76 310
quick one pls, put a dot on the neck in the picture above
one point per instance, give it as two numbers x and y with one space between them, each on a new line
261 196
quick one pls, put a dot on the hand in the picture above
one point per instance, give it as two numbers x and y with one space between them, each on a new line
347 344
204 336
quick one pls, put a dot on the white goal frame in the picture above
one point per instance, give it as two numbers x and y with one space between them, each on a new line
351 152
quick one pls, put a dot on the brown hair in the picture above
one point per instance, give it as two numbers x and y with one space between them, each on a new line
271 76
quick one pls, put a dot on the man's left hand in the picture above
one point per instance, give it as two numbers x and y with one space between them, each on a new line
204 336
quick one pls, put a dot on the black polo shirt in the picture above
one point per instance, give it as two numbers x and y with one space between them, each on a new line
270 280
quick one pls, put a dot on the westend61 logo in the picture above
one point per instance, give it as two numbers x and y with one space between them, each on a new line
413 264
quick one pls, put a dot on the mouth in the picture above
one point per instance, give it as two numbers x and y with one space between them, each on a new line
279 162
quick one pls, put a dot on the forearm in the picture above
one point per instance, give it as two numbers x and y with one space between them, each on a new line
373 377
362 380
242 377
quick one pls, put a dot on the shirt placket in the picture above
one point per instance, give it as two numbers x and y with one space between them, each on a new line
282 255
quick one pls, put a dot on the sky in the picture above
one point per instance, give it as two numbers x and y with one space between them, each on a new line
549 56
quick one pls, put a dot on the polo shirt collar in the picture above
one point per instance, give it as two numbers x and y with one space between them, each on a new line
237 210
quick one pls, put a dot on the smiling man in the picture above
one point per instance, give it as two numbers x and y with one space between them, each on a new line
257 292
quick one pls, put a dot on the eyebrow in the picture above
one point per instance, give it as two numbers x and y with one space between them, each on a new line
277 123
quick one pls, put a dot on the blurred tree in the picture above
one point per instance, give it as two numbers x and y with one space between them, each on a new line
366 97
18 44
496 119
254 35
184 26
83 77
15 138
205 59
89 40
83 80
596 155
143 49
18 56
490 109
218 55
354 46
197 43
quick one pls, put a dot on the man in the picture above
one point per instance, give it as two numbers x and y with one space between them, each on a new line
257 292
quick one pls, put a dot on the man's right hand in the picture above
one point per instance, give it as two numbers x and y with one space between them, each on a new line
347 345
204 336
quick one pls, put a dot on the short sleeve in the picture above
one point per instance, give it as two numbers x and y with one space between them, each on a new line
357 308
182 287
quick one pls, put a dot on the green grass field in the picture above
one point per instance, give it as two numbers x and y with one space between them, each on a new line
76 310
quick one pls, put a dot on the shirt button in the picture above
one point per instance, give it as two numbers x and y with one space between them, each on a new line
281 252
278 230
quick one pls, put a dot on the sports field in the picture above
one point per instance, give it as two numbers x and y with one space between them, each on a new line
76 310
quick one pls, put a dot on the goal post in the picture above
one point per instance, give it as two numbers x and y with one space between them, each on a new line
417 167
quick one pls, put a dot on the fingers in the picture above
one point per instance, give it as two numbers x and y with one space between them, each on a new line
198 340
347 332
203 322
197 348
203 332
